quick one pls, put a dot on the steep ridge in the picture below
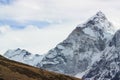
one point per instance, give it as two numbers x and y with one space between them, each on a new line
82 47
11 70
108 67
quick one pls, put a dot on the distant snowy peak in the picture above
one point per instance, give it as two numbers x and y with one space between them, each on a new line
98 26
15 52
23 56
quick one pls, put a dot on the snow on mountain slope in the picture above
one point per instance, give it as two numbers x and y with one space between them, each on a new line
98 24
108 67
82 47
23 56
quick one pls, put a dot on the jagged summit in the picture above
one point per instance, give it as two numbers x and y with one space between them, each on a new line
97 26
100 15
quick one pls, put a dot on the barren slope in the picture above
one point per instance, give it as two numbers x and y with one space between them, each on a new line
11 70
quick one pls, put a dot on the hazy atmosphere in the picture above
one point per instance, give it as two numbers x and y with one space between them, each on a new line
38 25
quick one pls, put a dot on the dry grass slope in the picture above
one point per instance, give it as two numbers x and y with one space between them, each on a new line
11 70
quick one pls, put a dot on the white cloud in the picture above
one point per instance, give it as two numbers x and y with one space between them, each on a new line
58 10
67 12
4 29
34 39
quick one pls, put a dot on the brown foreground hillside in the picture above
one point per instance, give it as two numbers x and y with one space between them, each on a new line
11 70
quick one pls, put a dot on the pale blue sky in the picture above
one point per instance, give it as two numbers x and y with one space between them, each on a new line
6 2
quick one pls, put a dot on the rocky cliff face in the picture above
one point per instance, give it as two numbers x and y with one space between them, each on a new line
108 67
82 47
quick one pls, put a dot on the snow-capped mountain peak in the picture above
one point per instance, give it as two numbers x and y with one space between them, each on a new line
81 48
21 55
18 51
98 26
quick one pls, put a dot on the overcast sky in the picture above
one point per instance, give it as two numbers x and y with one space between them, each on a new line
39 25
